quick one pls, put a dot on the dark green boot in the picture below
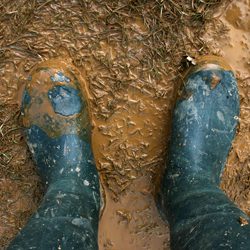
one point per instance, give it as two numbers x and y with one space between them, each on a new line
204 123
57 130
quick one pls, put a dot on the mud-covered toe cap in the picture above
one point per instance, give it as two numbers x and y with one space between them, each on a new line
55 99
211 76
210 62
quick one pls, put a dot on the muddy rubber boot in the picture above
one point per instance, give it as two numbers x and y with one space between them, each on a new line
57 130
205 118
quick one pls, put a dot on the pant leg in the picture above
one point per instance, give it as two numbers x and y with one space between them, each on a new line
202 217
66 219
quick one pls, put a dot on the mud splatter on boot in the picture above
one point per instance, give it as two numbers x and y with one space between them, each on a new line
204 124
57 130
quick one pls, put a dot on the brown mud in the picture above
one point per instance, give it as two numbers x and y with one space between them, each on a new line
131 55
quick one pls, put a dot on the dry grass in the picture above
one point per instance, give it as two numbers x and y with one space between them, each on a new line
20 188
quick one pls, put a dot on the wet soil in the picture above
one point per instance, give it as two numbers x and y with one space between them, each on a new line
131 56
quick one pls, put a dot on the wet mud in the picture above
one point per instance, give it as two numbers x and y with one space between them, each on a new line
132 87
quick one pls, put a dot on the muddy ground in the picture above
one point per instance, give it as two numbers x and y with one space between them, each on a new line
133 55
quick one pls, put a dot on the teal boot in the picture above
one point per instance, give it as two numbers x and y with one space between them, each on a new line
205 118
57 130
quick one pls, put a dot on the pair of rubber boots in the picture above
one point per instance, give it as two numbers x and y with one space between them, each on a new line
57 129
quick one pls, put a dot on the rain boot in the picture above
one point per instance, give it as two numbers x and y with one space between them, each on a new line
205 119
57 130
